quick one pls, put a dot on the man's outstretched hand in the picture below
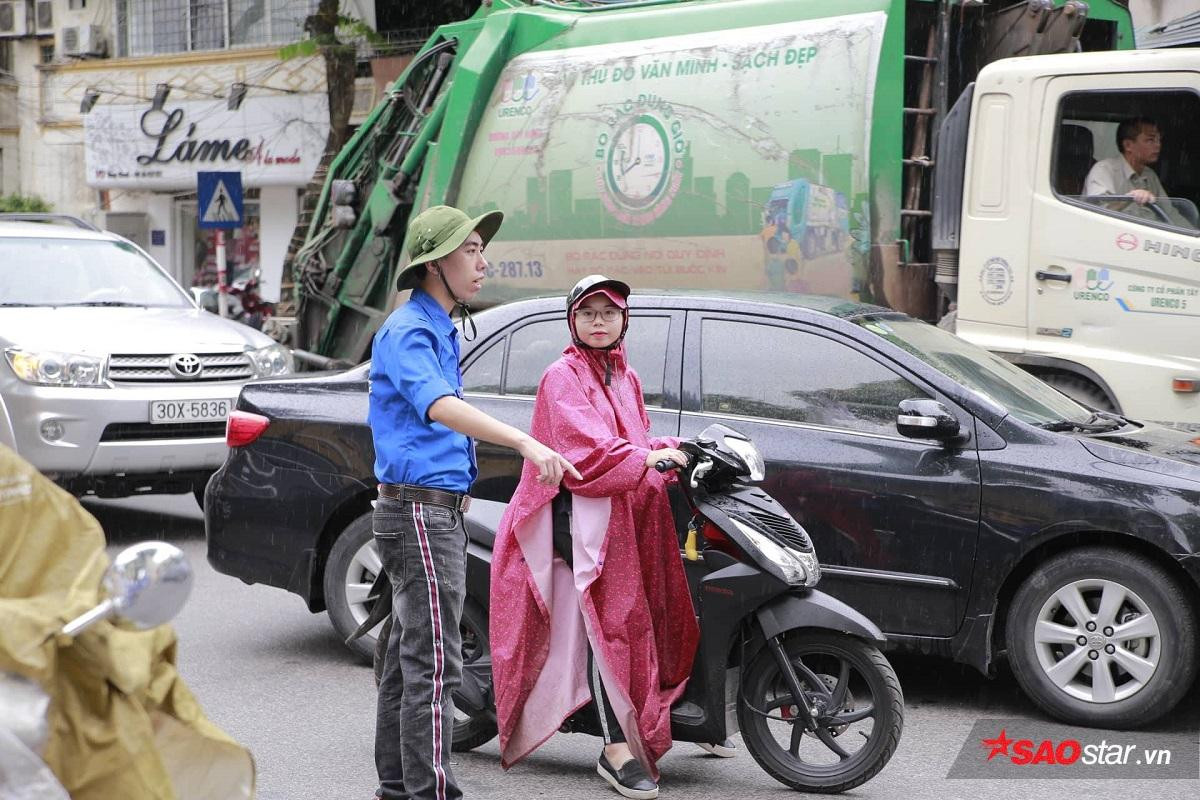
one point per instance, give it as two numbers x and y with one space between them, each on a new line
550 465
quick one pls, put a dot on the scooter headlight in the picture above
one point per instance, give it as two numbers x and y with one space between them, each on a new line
793 566
749 454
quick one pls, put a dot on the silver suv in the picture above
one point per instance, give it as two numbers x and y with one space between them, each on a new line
112 380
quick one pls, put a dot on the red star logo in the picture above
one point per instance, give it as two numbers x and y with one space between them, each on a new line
999 745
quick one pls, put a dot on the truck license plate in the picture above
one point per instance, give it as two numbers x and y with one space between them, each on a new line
167 411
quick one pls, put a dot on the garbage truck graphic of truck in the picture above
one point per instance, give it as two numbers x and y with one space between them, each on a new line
650 140
802 222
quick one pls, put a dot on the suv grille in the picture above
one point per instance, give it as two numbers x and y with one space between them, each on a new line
145 431
156 368
783 528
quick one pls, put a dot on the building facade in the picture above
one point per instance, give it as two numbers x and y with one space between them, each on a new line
109 108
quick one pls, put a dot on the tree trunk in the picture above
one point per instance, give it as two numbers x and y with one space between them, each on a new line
340 60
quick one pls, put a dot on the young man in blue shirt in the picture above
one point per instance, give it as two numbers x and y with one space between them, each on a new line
425 464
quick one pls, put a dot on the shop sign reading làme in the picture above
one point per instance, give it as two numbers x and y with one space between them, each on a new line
272 141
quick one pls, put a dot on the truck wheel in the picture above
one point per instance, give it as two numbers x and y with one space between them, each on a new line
1080 390
1102 637
350 570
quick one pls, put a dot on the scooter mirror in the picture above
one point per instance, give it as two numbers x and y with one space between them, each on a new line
147 584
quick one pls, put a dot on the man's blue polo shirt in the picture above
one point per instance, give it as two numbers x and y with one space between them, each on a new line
415 361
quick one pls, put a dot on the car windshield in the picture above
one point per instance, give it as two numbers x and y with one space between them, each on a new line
1026 397
82 272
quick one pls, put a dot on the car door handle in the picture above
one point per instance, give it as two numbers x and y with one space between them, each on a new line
1043 275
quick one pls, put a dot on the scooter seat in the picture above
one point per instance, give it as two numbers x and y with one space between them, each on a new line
482 521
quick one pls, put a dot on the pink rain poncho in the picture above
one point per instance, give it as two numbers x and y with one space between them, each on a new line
628 595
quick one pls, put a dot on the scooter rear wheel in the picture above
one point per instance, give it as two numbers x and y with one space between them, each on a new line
469 731
860 713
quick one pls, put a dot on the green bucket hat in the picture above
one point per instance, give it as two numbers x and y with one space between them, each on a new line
437 232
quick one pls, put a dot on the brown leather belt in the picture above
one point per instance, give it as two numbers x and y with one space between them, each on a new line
419 494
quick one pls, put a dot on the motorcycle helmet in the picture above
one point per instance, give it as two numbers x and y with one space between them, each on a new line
614 290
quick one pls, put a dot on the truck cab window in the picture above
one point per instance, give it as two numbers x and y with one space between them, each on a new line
1131 154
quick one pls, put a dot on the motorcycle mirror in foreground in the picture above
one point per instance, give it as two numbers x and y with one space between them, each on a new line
146 586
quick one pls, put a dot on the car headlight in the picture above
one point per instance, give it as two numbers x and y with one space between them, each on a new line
52 368
797 568
749 454
274 359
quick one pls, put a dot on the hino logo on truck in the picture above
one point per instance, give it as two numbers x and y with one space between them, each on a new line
1173 250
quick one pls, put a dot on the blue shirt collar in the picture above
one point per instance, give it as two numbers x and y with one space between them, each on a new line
437 315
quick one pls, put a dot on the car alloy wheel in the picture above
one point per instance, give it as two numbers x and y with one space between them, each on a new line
1099 656
350 569
1102 636
360 574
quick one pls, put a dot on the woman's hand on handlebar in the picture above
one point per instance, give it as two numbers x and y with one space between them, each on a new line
666 458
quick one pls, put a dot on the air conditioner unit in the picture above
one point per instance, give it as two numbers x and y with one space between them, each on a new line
83 40
14 18
43 16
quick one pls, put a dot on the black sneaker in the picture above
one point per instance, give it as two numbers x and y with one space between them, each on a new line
630 780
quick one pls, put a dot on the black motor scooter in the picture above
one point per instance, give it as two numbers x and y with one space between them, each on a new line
798 672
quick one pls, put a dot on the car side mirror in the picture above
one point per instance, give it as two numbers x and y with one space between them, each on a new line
922 418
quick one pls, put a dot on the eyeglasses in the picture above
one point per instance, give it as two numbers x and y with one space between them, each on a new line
589 314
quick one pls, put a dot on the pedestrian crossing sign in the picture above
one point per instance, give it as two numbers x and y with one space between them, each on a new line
219 196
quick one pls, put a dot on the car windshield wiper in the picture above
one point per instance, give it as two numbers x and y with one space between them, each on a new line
19 305
1098 422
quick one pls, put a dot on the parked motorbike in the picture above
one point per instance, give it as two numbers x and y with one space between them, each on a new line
92 683
243 300
797 671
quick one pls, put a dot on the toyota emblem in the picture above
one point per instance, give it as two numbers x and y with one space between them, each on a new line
186 365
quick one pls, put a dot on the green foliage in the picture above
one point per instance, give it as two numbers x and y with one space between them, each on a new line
23 203
348 30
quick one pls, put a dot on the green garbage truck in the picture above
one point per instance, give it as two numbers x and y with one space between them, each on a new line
933 156
801 222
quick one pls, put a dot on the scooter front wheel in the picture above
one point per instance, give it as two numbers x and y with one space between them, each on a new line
853 696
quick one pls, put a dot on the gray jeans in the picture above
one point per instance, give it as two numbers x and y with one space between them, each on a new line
423 549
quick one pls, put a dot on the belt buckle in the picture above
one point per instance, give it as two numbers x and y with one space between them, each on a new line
464 503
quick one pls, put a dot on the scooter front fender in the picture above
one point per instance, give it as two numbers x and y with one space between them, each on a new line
814 609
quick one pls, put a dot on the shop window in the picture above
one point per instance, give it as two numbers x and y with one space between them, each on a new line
1131 154
151 27
199 255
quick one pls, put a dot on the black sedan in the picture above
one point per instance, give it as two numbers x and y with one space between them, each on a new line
966 507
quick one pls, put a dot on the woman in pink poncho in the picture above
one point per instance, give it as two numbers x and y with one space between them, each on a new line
595 608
